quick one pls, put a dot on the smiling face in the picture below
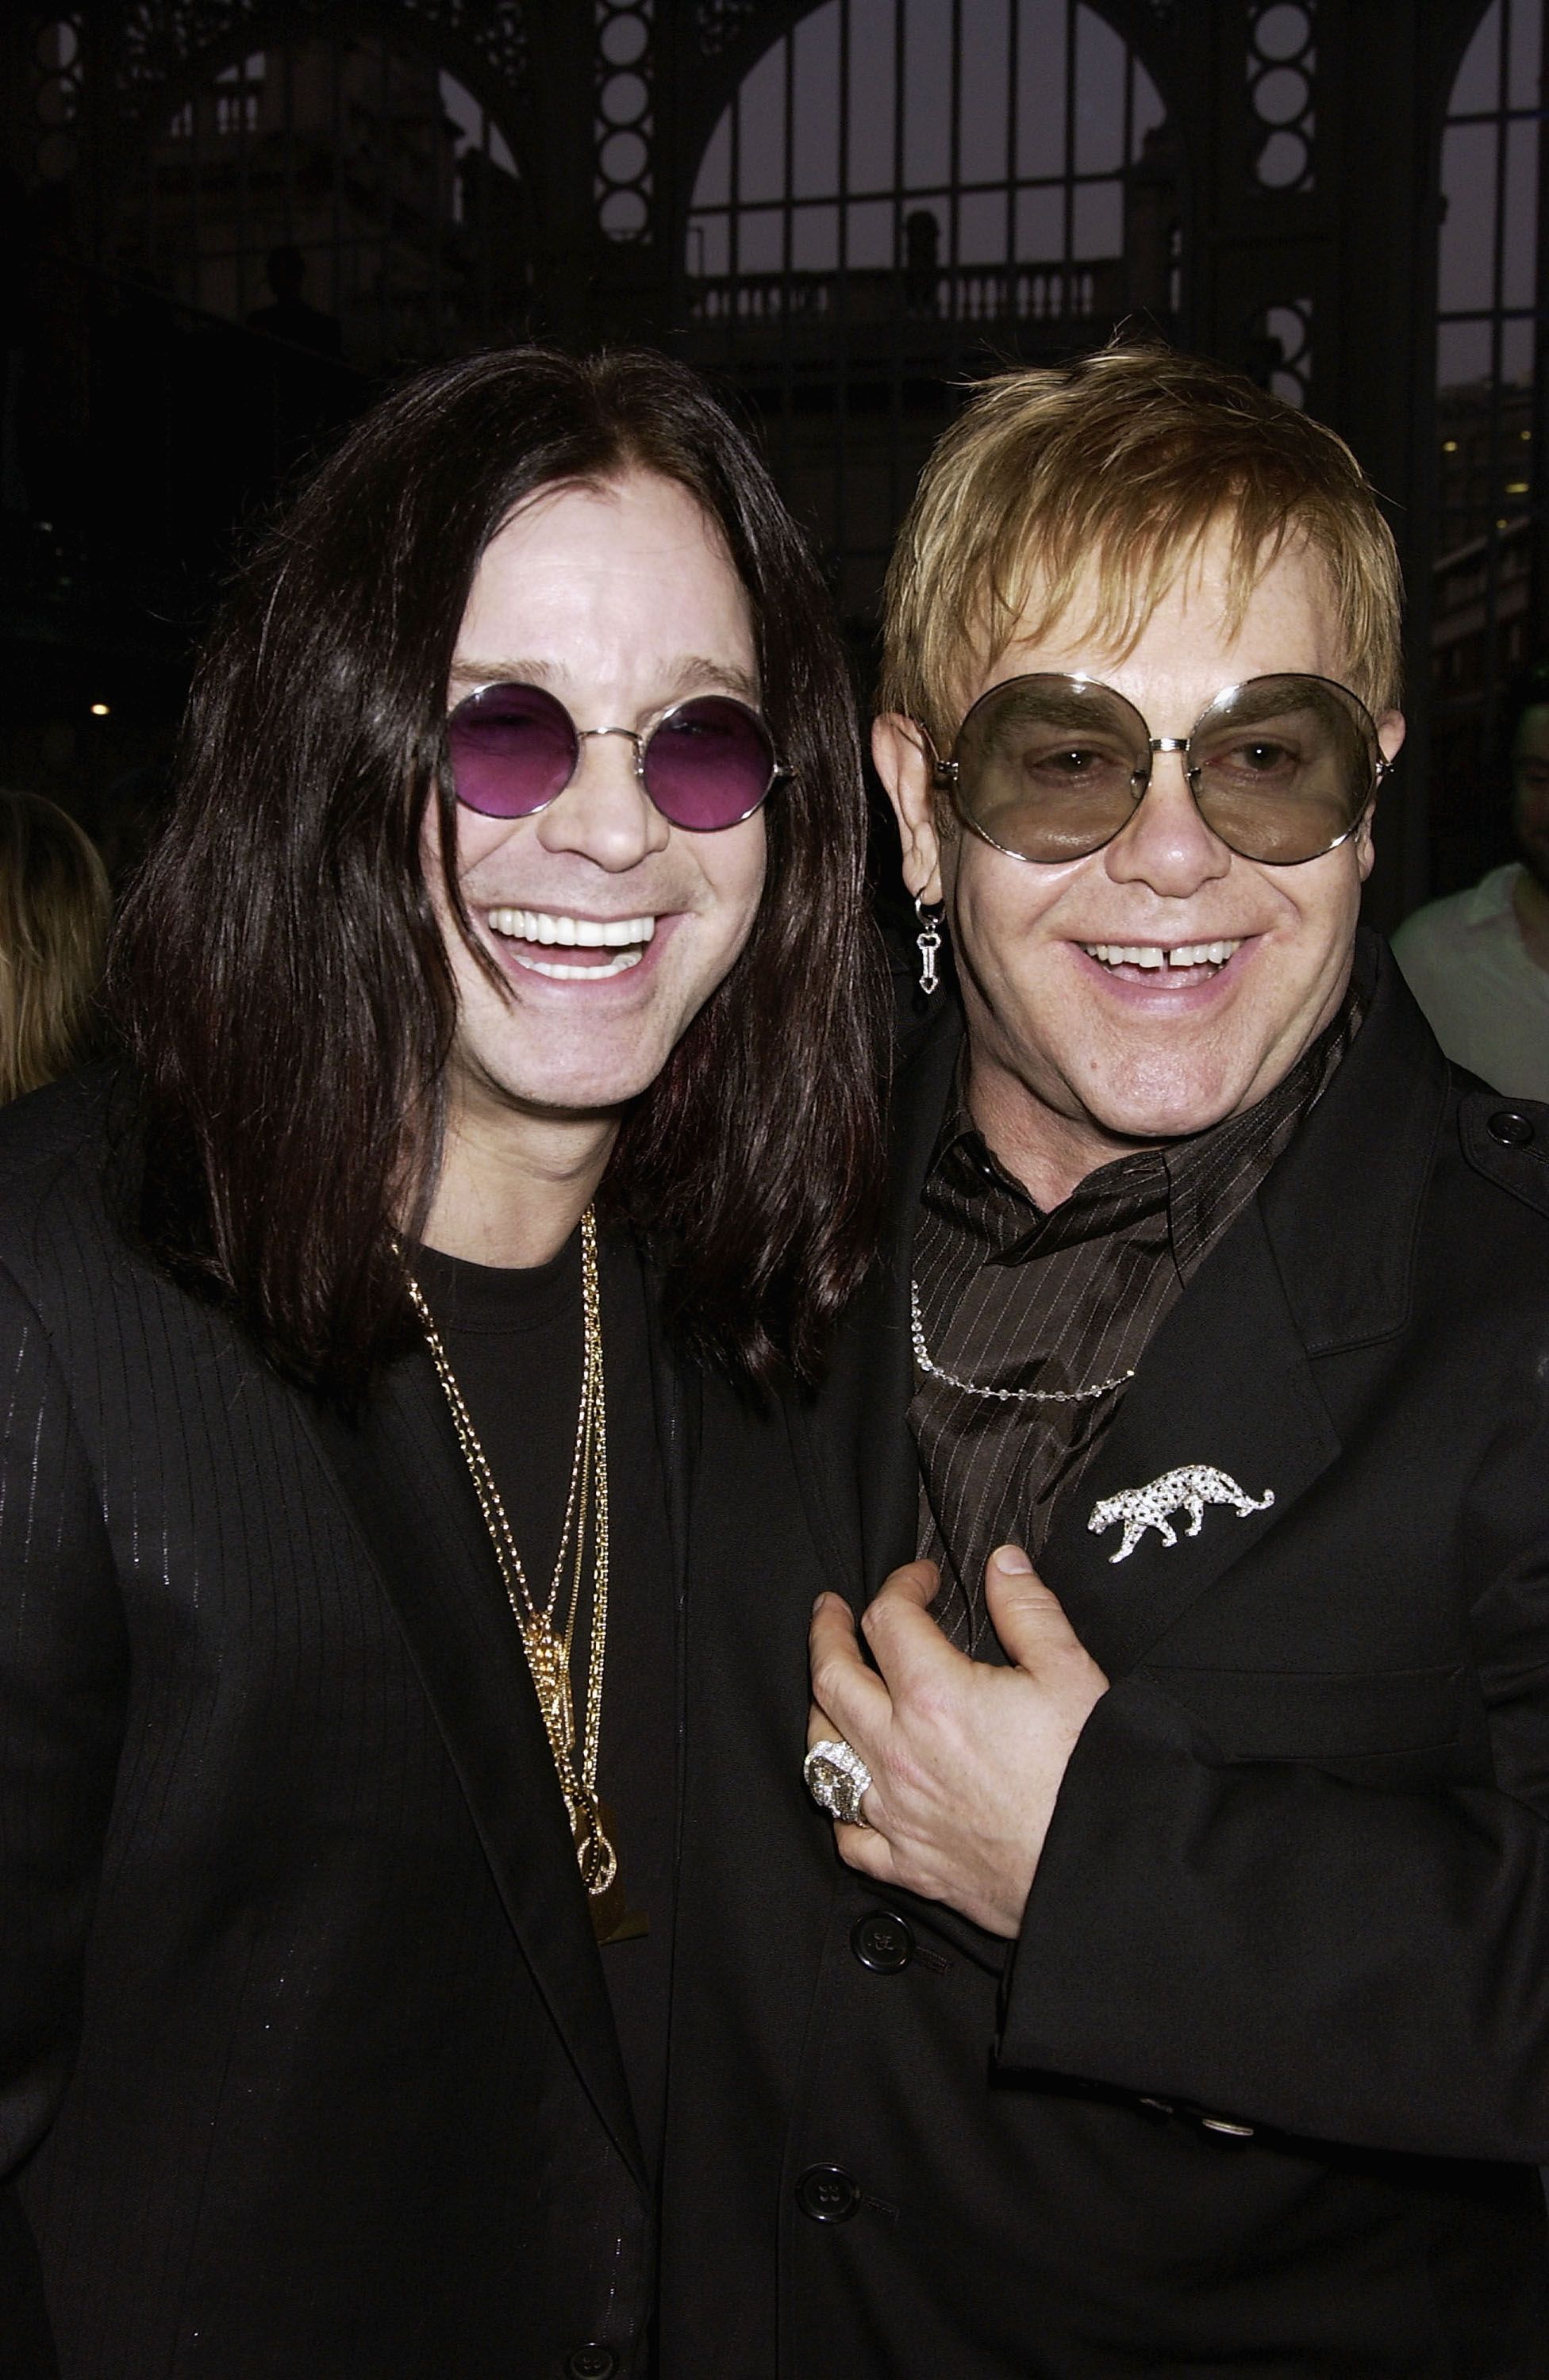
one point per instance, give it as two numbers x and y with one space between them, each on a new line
1162 983
609 926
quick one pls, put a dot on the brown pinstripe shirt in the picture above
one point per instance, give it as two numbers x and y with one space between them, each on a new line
1010 1297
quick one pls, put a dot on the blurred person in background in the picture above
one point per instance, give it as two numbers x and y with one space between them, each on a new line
53 915
1478 962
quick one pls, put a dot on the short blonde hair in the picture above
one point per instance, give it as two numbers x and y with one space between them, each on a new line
1125 459
54 916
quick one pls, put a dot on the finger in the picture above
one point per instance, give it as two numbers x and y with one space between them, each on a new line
907 1642
853 1696
865 1849
1028 1616
820 1724
915 1581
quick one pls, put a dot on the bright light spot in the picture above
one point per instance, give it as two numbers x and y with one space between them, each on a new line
99 710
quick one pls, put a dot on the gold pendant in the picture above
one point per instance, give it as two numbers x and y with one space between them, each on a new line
550 1666
591 1824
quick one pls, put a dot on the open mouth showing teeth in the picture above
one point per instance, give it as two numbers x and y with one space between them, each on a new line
1159 958
611 946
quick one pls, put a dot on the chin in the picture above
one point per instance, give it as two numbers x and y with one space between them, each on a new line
1171 1112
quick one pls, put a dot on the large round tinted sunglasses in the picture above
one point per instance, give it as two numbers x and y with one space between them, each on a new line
706 764
1049 768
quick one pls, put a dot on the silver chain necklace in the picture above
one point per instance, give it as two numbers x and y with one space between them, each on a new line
1007 1396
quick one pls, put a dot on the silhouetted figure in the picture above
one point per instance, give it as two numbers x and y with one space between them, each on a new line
290 316
53 915
1478 962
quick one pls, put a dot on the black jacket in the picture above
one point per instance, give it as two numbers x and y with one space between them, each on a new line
1262 2085
306 2067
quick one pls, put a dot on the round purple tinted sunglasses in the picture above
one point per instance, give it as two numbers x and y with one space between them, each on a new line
706 764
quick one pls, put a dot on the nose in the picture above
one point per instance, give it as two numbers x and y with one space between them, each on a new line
605 814
1166 845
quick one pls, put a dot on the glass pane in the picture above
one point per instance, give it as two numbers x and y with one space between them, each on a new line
872 97
1041 95
871 239
1525 42
1040 225
814 238
761 163
1097 221
986 63
1477 88
1462 354
1467 273
815 105
926 93
1520 244
1100 76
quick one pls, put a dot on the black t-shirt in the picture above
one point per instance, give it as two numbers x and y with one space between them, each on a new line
513 1338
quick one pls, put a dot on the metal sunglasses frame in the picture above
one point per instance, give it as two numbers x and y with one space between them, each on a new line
946 773
778 773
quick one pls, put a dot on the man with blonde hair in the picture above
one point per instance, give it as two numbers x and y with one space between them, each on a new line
1178 2002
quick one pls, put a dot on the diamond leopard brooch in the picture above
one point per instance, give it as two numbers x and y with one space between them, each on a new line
1188 1489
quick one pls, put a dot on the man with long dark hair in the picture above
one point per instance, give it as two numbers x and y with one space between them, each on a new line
506 931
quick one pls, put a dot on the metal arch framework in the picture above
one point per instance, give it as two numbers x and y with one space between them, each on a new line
1351 256
163 42
146 60
718 43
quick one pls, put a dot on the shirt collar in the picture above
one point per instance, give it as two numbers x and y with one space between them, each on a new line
1493 895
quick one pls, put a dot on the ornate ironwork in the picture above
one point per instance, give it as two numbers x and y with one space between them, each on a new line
721 22
1287 327
494 28
624 126
160 38
1282 71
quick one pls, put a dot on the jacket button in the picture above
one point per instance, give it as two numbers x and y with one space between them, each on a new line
828 2194
882 1942
1512 1128
590 2363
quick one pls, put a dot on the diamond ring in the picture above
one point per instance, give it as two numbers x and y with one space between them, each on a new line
836 1777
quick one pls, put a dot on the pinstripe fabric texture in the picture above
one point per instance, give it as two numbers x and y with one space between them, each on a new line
280 2094
1014 1298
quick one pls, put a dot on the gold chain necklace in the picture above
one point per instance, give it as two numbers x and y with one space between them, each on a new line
547 1646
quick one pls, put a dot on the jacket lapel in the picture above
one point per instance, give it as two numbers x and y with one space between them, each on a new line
1225 1385
1321 1260
403 1481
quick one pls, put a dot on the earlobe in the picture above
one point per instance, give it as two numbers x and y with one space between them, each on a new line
902 757
1366 849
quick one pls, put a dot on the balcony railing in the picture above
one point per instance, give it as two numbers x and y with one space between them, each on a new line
963 293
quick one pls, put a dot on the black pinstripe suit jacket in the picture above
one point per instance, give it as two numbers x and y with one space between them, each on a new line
1261 2088
306 2063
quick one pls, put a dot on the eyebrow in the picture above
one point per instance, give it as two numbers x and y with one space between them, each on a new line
690 673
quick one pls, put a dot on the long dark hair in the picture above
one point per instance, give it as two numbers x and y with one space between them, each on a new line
278 975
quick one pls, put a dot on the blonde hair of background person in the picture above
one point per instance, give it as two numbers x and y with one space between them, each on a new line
1127 460
55 906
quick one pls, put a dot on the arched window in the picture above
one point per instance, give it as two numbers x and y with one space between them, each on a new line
901 193
1491 580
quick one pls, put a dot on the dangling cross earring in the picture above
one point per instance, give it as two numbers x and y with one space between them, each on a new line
928 943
